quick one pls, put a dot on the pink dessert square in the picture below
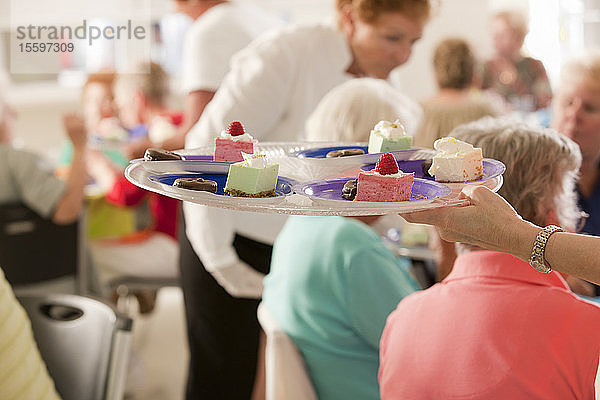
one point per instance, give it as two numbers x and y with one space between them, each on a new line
231 150
372 186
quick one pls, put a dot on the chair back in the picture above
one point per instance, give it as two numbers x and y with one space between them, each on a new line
34 249
84 343
286 374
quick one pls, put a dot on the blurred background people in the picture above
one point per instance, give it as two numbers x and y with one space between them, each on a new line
488 290
106 136
520 80
220 28
142 106
272 87
27 179
576 114
455 102
39 203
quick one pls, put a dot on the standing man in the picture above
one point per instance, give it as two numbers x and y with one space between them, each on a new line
220 29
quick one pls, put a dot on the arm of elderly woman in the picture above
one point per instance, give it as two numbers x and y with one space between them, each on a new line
491 223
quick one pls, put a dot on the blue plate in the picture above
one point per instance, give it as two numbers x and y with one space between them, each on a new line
283 188
491 169
331 189
199 158
321 152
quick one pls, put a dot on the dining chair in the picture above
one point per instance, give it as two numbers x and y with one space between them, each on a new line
34 249
286 374
84 342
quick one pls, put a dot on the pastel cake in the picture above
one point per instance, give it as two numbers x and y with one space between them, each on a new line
385 182
389 136
232 142
456 161
256 176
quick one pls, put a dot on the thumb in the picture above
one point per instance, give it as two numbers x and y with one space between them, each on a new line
476 194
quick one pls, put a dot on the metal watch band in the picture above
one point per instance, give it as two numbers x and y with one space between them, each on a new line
537 260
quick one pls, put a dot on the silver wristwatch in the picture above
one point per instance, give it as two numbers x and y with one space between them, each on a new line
537 260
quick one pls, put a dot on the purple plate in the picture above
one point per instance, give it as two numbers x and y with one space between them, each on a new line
491 169
331 190
198 158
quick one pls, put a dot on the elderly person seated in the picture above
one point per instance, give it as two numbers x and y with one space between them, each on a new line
495 328
25 178
455 102
576 114
333 281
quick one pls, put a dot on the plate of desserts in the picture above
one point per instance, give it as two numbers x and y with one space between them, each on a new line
385 137
383 184
255 179
263 179
455 164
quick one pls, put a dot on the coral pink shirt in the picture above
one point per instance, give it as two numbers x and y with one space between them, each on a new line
493 329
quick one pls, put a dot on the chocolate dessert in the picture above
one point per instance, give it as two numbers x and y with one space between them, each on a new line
344 153
196 184
425 166
160 155
349 190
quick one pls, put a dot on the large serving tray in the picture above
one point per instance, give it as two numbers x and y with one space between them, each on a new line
298 172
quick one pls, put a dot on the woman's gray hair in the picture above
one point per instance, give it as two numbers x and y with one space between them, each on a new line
349 111
541 166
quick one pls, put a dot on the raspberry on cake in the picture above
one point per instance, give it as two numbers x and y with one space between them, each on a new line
385 182
389 136
232 142
456 161
256 176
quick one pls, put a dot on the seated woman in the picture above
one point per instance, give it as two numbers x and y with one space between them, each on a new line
23 178
495 328
454 103
349 111
333 281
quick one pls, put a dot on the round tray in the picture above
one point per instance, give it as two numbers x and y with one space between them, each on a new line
295 203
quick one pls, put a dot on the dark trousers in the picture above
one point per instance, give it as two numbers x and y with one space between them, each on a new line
223 331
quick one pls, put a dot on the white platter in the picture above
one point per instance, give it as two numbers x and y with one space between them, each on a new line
296 203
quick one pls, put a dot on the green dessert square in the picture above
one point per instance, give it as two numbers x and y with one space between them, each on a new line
245 179
381 144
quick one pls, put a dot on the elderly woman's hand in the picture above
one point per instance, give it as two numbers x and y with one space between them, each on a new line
488 221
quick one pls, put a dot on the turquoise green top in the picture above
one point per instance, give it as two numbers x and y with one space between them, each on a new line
331 287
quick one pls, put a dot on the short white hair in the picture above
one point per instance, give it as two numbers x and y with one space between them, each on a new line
349 111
